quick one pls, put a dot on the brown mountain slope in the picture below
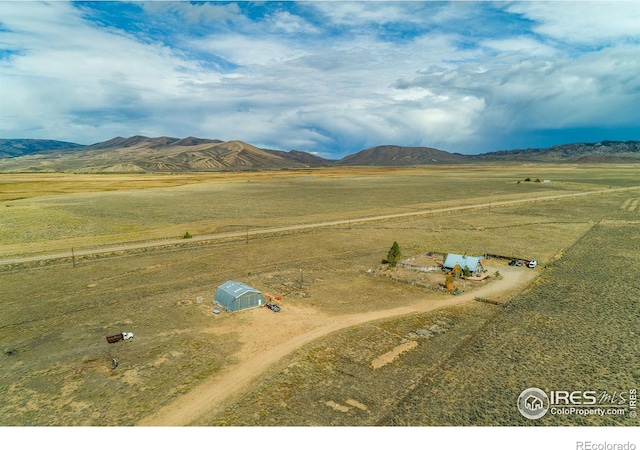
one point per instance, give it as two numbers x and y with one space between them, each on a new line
224 155
190 141
581 152
394 155
168 154
307 159
133 141
161 154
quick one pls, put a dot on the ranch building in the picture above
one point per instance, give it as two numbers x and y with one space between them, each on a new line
236 296
473 263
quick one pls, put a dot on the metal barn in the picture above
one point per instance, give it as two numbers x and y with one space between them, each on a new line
236 296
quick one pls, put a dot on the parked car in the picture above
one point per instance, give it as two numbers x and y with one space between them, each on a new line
512 262
532 264
272 307
519 263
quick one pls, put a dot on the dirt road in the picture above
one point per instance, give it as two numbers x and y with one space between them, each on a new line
297 326
241 234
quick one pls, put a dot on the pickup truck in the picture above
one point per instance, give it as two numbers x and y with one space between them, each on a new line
119 337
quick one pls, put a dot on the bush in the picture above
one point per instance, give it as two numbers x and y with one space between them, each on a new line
187 235
394 254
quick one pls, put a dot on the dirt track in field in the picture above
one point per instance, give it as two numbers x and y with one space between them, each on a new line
291 329
241 234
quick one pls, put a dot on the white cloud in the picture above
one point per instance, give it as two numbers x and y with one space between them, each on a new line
280 82
284 21
350 13
194 13
247 51
521 47
592 23
59 79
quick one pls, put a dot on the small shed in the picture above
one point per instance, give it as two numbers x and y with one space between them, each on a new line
236 296
473 263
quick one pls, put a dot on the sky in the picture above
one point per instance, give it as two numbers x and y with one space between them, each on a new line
329 78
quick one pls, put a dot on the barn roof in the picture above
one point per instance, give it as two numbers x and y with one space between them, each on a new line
237 289
463 261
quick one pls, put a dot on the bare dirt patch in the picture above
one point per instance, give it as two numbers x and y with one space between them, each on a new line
356 404
337 406
388 357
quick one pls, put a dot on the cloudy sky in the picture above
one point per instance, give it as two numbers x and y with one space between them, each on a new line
326 77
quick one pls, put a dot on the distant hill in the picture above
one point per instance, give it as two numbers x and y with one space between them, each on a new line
146 142
168 154
394 155
307 159
605 151
139 154
599 152
10 148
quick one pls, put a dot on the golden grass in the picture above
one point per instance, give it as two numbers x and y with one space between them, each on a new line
55 212
56 316
571 330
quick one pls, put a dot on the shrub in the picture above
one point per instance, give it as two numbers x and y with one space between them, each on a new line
394 254
187 235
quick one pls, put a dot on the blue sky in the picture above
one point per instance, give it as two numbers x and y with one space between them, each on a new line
330 78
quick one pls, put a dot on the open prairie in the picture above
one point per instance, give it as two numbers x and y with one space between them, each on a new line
57 365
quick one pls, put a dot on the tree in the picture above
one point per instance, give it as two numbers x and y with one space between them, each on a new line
456 271
394 254
448 282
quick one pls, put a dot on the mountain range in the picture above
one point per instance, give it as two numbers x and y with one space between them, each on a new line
140 154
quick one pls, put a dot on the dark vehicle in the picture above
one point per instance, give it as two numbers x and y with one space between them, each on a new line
115 338
119 337
512 262
272 307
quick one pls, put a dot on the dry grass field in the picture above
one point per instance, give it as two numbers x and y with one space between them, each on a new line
576 329
55 212
56 363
